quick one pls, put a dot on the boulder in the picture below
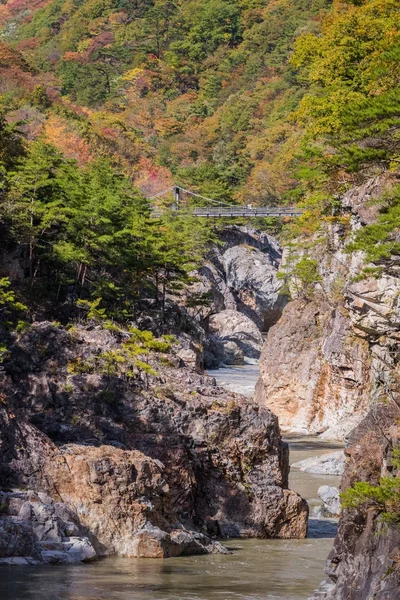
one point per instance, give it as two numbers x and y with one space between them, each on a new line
239 275
232 326
327 464
232 354
330 501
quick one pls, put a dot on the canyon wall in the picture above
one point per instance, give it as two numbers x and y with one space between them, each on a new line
330 366
240 279
323 363
364 562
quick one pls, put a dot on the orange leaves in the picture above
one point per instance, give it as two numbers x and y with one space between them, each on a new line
62 135
80 57
11 58
151 178
28 44
17 7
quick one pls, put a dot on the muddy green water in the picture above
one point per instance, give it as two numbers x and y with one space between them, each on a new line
256 569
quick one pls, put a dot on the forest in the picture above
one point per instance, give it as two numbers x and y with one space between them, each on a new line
104 103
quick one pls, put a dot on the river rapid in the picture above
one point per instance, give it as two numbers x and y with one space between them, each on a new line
256 569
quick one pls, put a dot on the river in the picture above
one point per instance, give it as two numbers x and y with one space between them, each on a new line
256 569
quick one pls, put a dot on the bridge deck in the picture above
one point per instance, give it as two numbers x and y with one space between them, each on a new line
216 209
240 211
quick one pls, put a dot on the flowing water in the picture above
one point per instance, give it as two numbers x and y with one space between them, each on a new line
256 569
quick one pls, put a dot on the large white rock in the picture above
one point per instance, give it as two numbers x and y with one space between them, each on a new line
233 326
330 501
240 274
327 464
251 273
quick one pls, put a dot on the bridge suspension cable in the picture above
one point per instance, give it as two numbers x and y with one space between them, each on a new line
220 202
224 209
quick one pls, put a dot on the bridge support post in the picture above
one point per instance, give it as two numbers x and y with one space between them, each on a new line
176 193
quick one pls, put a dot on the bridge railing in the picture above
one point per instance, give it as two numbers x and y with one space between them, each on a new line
236 211
243 211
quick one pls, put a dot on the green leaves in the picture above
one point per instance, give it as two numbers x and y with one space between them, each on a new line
384 497
11 311
354 73
379 241
300 275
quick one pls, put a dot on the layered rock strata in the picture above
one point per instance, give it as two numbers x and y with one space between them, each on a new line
324 362
314 374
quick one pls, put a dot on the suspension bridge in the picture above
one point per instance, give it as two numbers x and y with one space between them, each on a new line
196 205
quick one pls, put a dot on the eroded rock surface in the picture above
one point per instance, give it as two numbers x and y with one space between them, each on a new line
324 362
240 278
330 501
147 470
313 374
327 464
232 327
365 560
35 529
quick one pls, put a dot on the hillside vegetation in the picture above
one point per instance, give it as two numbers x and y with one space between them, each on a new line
262 101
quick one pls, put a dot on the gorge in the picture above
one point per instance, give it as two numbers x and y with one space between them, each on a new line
192 407
204 464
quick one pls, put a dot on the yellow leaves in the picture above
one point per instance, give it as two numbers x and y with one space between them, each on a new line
352 39
133 74
97 26
83 45
305 49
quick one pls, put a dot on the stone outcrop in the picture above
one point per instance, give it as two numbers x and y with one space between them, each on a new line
327 464
34 529
239 276
325 360
231 327
313 374
156 467
330 502
365 560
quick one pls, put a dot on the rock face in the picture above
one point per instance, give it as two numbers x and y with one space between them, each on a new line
330 501
240 277
325 360
151 470
231 327
365 560
34 529
313 374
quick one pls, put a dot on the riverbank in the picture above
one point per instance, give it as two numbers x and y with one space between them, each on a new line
255 570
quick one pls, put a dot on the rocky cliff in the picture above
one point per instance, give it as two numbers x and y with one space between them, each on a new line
330 366
155 467
364 562
240 278
323 363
